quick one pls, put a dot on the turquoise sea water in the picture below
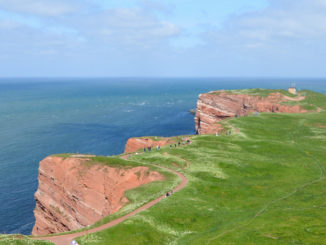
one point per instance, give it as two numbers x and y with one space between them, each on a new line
39 117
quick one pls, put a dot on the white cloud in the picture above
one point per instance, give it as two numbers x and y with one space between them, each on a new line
8 25
284 39
40 7
155 6
284 22
287 35
124 27
129 26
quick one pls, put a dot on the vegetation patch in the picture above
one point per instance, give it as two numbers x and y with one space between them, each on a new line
265 185
21 240
258 92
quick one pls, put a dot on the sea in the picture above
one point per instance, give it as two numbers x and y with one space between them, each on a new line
44 116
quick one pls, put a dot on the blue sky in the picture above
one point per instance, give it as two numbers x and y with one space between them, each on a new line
273 38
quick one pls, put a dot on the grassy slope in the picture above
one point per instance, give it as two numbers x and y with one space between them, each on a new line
20 240
141 195
264 185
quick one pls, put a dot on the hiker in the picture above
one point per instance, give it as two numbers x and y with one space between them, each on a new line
216 134
170 146
144 149
175 145
167 194
188 141
171 192
179 143
159 147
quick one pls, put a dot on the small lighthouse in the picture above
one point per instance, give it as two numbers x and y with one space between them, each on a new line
292 89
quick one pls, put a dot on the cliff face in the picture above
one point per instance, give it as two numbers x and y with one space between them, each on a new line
218 105
72 194
135 144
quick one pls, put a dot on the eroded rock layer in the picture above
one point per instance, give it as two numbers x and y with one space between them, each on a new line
218 105
73 194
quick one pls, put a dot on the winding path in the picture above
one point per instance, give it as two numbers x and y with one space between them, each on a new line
67 238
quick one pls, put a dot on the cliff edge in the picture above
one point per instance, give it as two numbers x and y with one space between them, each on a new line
73 193
215 106
135 144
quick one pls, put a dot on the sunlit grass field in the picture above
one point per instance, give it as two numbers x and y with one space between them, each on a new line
263 185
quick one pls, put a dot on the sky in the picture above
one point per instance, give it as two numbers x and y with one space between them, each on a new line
166 38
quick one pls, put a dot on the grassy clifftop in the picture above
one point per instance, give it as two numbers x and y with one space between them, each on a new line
259 92
263 184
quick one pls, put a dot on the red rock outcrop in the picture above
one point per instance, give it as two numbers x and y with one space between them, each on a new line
73 194
218 105
135 144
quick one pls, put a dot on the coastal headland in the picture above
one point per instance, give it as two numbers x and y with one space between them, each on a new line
255 171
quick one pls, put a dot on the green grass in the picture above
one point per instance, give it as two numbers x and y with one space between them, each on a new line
20 240
312 102
258 92
263 185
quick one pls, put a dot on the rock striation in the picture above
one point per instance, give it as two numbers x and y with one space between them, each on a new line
135 144
73 194
215 106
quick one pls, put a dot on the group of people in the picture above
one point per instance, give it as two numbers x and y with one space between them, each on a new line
175 145
179 144
149 148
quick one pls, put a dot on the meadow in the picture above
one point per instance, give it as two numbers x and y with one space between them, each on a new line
262 185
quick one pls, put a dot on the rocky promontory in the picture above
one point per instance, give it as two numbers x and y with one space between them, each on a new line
215 106
73 193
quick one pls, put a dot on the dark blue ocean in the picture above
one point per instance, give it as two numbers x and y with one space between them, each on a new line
39 117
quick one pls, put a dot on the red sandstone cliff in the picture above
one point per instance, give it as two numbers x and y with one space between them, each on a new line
218 105
72 194
135 144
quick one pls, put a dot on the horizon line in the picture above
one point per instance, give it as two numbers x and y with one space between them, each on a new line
161 77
